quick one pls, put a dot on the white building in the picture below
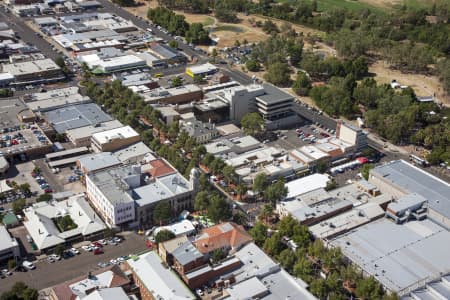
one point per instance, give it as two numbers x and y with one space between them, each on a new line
99 64
114 139
81 137
46 235
352 135
9 247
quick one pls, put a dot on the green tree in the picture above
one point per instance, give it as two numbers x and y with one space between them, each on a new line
218 209
365 170
331 185
303 269
173 44
228 173
217 255
176 81
162 212
259 183
164 235
253 65
368 288
302 84
259 233
252 123
275 192
59 249
18 206
44 198
201 201
12 264
278 74
24 188
319 288
287 259
273 245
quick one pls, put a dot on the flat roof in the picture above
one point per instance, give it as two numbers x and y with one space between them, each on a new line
306 184
159 280
398 256
98 161
313 152
132 152
76 116
55 99
30 67
6 240
88 131
204 68
179 228
106 136
66 152
274 95
411 179
9 109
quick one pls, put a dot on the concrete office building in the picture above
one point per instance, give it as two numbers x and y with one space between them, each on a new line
34 72
352 135
126 194
9 247
114 139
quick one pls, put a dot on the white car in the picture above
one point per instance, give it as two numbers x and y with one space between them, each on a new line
87 248
117 239
29 265
103 242
6 272
113 262
74 251
55 256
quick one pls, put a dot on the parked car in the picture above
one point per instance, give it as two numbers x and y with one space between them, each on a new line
74 251
28 265
98 251
87 248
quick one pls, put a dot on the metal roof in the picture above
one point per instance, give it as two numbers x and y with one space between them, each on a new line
414 180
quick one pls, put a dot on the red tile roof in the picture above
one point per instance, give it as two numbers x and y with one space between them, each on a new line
160 168
224 235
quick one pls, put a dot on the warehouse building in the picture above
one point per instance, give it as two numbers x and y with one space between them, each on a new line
76 116
82 136
53 99
34 72
201 70
399 178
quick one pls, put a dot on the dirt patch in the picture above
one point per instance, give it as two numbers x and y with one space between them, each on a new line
383 3
423 85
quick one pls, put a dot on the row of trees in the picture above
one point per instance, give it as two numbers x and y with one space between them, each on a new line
311 258
177 25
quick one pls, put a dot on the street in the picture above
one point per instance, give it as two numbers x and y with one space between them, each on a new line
49 274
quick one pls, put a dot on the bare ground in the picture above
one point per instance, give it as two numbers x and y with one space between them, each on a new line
423 85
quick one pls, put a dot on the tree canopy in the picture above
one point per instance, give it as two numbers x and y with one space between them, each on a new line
252 123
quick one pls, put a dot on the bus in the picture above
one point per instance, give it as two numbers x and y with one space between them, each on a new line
418 161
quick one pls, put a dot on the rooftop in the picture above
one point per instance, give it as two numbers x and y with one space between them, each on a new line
39 221
6 240
30 67
180 228
108 293
411 179
221 236
186 252
87 131
399 256
306 184
76 116
274 95
161 282
98 161
129 153
106 136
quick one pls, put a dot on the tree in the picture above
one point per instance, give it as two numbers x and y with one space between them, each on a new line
217 255
260 183
275 192
331 185
302 84
162 212
273 245
20 291
259 233
252 123
319 288
12 264
197 34
253 65
201 201
173 44
218 209
176 81
287 259
44 198
214 54
303 269
24 188
278 74
164 235
59 249
228 173
18 206
241 189
368 288
365 170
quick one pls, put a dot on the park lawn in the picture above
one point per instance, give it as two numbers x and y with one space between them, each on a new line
354 5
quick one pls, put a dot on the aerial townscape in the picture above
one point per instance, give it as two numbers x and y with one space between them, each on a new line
224 149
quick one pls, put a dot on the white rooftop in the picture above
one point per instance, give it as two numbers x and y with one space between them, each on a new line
116 293
104 137
160 281
6 241
313 151
179 228
87 131
306 184
39 220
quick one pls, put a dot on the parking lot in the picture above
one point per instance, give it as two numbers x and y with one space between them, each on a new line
49 274
300 136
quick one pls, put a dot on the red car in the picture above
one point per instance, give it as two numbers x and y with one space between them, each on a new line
97 244
98 251
48 191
